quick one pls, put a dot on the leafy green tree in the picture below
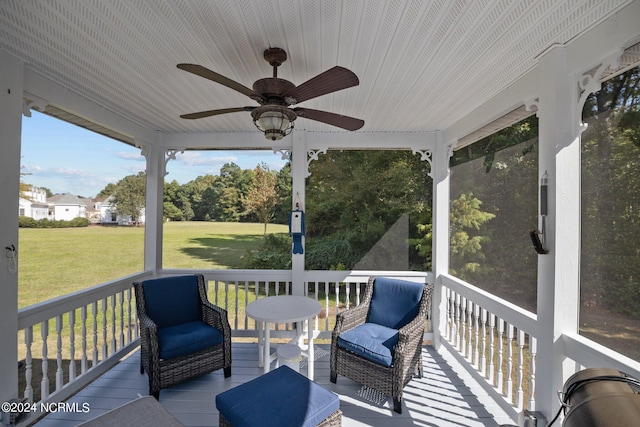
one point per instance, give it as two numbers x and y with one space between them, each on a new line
284 186
354 197
466 239
262 197
178 195
200 192
129 196
106 191
231 187
171 212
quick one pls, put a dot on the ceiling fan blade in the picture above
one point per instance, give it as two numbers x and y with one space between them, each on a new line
334 79
338 120
219 78
209 113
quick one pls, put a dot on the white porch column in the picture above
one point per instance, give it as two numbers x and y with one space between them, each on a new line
11 87
559 270
153 209
440 173
299 174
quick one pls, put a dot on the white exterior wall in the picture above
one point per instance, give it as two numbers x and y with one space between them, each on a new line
69 212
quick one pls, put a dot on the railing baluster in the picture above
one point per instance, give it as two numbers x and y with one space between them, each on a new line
44 384
533 350
215 297
94 307
246 303
72 345
452 315
458 323
235 311
28 363
519 379
483 349
492 367
105 338
509 363
113 325
326 306
463 323
59 371
337 286
83 358
129 319
469 331
476 328
347 293
500 378
122 319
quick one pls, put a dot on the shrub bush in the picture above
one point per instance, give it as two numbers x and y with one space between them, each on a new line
274 253
26 222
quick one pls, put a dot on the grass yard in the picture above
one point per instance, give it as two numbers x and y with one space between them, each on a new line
55 262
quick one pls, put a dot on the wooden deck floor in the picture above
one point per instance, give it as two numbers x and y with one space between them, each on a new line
446 396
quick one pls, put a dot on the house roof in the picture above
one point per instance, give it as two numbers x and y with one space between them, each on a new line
67 199
422 65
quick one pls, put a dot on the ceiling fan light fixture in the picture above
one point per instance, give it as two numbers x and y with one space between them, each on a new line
274 121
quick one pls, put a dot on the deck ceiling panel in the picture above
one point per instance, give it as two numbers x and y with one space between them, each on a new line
422 64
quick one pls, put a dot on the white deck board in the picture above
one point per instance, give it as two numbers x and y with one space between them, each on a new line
446 396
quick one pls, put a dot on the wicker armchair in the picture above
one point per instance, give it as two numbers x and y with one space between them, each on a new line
182 335
379 342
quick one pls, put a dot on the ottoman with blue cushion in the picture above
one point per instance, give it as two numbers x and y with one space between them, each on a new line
280 398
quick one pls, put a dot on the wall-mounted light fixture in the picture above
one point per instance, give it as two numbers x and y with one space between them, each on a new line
538 238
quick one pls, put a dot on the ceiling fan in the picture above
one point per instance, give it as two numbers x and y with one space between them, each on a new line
275 96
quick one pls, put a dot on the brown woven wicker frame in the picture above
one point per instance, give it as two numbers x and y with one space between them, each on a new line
333 420
163 373
406 357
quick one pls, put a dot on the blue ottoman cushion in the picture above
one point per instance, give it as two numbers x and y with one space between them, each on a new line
280 398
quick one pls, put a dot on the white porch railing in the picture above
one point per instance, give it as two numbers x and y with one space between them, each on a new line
82 335
91 330
495 339
88 332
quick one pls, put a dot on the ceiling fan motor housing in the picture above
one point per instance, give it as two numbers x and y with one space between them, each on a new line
273 89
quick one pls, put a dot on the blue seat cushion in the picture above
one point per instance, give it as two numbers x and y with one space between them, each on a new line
172 300
394 302
372 341
280 398
187 338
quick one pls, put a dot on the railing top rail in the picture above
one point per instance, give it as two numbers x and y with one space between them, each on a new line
511 313
355 276
36 313
589 354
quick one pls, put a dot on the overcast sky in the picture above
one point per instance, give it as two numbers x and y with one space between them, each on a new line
68 159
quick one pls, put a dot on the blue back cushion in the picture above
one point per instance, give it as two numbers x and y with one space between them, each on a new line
395 302
170 301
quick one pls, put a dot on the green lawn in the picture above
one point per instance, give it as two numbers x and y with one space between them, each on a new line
55 262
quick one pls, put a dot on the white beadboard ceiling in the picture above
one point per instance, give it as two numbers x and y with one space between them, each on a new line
422 64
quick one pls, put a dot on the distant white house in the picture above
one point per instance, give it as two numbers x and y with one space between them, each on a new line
109 213
67 207
34 204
